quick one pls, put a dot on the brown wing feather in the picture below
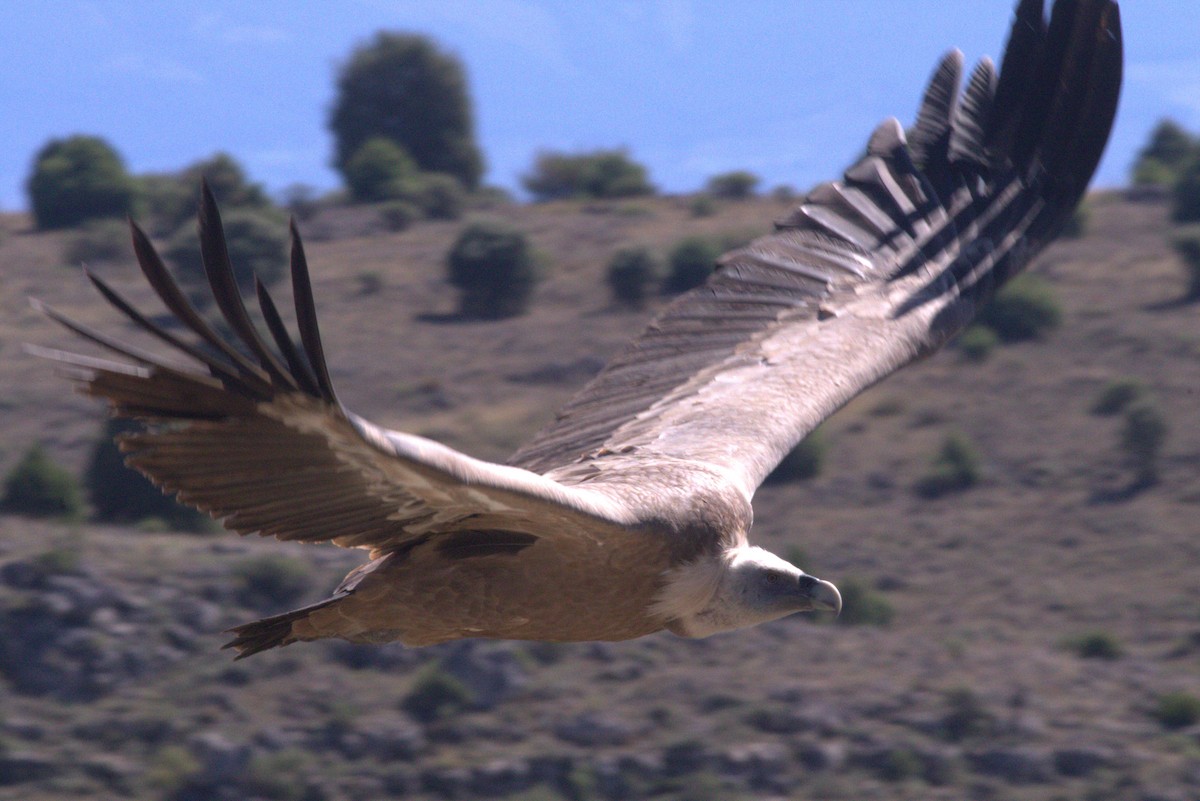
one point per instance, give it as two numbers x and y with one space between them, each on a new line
260 440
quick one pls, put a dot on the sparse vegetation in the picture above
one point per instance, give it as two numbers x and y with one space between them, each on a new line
956 468
863 606
257 245
1177 710
977 343
77 179
965 716
379 170
37 487
1024 309
1187 247
1142 437
735 185
99 241
598 174
435 695
494 267
691 262
631 275
402 88
271 583
1096 645
1185 196
440 196
1117 395
803 462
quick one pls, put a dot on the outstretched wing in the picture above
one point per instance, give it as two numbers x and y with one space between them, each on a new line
866 275
255 435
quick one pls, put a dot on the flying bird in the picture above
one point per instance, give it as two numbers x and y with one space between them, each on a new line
630 513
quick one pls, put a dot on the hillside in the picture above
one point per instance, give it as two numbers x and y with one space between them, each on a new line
112 683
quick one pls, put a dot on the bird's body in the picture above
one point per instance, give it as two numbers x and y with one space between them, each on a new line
631 512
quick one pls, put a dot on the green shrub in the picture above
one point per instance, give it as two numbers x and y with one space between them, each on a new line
1024 309
278 776
1177 710
100 241
1097 645
1142 437
1185 196
598 174
370 282
120 494
955 468
440 196
436 695
399 215
735 185
166 202
494 267
977 343
863 606
257 245
1152 173
271 582
77 179
1168 151
965 715
1117 396
37 487
691 262
803 462
380 170
401 87
631 274
1187 246
1076 225
702 206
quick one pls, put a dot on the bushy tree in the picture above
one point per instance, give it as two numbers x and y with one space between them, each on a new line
38 487
691 262
77 179
120 494
1167 152
170 201
735 185
494 267
598 174
631 274
402 87
380 170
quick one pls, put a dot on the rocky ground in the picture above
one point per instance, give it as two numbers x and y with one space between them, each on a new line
980 685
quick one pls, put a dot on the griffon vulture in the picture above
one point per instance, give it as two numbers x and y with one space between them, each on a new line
630 513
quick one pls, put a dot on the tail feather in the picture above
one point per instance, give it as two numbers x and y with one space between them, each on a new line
274 631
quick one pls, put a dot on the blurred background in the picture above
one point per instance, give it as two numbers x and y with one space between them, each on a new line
494 196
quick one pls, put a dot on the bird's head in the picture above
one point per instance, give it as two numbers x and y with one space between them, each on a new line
744 586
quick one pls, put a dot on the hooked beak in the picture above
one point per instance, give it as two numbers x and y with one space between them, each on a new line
822 595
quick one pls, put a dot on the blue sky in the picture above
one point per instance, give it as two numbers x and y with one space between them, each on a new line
789 90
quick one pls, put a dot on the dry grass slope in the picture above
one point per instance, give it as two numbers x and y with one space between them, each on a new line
974 689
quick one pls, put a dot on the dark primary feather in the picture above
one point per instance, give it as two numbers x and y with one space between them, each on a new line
863 276
990 177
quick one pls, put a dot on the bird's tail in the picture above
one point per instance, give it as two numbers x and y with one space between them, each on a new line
275 631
